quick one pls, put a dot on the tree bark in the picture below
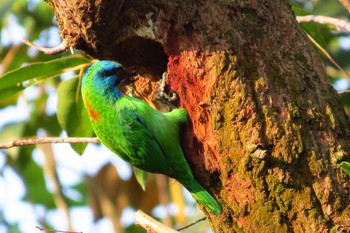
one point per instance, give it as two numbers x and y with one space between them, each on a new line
267 130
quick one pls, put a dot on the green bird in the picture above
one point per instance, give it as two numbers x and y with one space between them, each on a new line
146 138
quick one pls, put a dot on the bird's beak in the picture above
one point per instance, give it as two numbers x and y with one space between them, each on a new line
127 77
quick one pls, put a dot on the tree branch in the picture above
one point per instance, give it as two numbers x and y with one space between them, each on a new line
35 141
10 55
342 92
54 230
191 224
49 51
346 4
339 23
150 224
50 170
328 56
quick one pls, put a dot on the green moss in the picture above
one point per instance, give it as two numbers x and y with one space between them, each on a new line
50 4
297 142
279 188
323 220
337 154
314 213
260 83
335 229
279 202
271 208
217 120
331 117
261 168
225 64
284 199
318 165
314 118
293 110
314 166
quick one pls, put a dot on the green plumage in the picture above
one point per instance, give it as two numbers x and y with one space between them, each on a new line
146 138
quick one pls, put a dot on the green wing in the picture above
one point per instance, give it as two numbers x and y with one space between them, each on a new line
137 144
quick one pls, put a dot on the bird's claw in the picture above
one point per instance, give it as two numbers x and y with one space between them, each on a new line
131 89
172 96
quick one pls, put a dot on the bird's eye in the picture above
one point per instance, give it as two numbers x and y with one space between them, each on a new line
111 72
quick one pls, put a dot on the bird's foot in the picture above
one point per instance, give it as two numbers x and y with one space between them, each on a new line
131 89
172 96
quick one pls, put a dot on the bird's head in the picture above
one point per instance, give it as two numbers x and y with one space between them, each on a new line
107 76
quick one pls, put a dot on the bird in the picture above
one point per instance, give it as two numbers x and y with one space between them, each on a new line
146 138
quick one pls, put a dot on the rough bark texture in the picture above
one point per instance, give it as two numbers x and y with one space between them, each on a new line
267 130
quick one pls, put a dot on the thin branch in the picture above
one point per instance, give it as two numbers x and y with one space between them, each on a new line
150 224
343 92
50 170
346 4
49 51
339 23
328 56
10 55
35 141
191 224
53 230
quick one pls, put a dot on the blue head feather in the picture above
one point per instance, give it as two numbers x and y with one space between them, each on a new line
106 76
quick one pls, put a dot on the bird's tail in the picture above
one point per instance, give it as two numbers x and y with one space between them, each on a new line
203 197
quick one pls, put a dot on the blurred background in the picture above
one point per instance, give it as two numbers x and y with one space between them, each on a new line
51 185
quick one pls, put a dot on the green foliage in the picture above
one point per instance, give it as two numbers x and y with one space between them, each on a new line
71 112
330 38
346 167
19 79
134 229
5 8
33 176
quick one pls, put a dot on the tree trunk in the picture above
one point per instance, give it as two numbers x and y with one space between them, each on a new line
267 130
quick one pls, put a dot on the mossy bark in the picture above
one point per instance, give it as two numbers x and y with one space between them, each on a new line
267 130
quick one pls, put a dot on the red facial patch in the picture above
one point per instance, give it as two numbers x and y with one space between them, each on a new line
93 114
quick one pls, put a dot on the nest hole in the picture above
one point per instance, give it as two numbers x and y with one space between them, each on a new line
146 57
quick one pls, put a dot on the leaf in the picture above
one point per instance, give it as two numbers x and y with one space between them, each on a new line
141 177
298 8
5 9
81 189
34 180
71 113
23 77
134 229
346 167
22 162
